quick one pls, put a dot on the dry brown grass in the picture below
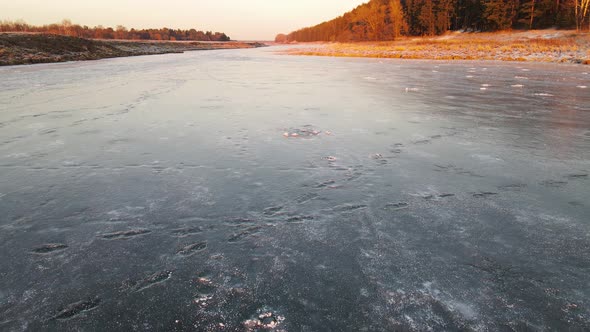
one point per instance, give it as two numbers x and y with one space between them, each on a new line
18 48
544 46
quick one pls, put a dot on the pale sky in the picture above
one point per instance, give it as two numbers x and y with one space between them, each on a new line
240 19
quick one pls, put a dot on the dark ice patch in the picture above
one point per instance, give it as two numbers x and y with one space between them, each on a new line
49 248
298 219
484 194
47 131
553 183
577 176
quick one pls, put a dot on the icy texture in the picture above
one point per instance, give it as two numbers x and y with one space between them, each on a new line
162 193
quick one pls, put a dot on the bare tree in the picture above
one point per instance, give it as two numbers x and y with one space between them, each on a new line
397 18
581 11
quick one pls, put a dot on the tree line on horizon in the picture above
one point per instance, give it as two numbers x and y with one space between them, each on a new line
66 28
381 20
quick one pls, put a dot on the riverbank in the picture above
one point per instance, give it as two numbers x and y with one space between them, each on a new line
24 48
539 46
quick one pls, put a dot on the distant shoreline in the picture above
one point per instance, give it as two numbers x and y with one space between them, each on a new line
27 48
557 46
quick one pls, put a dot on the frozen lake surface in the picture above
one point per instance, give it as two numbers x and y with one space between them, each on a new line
242 190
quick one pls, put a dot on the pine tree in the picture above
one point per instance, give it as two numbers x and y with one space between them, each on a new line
499 14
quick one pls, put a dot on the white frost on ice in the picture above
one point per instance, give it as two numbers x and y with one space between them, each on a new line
364 292
17 155
544 94
36 125
70 163
464 309
581 86
486 158
57 143
517 85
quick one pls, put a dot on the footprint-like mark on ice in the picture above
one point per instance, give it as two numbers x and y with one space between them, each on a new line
349 207
272 210
325 184
306 198
239 221
577 176
186 231
299 219
75 309
191 249
125 234
484 194
151 280
397 206
244 234
513 186
50 248
553 183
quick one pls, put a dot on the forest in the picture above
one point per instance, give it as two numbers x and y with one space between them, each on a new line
382 20
66 28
